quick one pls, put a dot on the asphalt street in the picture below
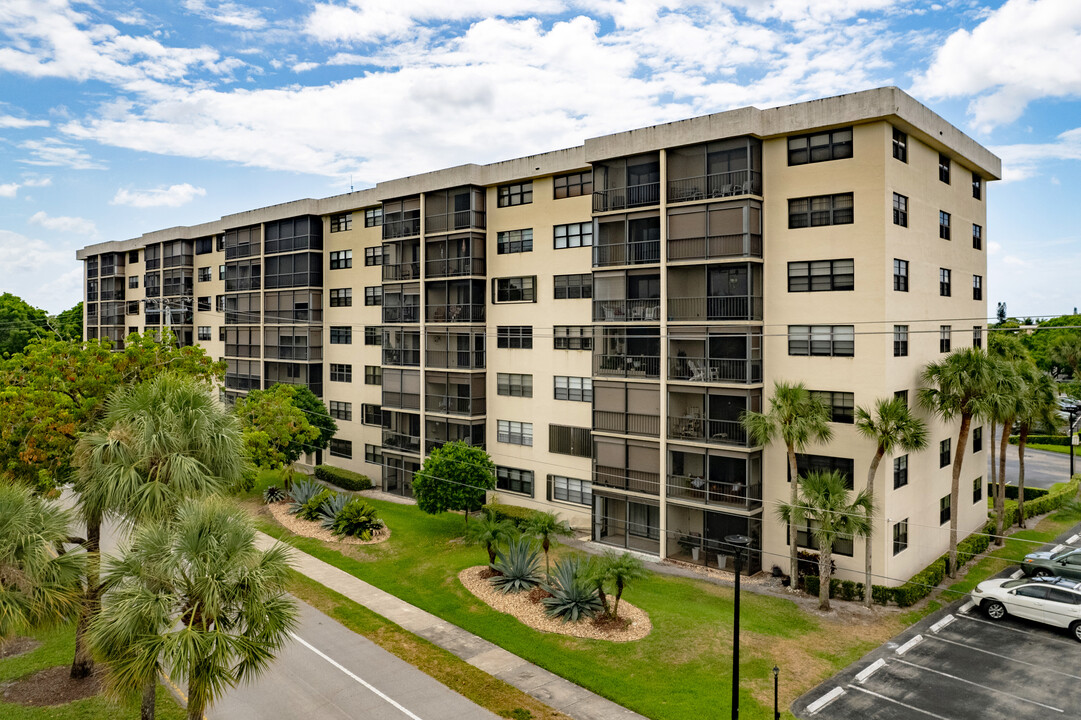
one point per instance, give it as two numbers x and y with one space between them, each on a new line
1042 469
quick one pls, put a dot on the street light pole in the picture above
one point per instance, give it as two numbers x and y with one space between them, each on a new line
1073 411
776 710
738 542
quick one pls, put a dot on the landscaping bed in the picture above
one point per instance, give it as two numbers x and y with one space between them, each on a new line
314 529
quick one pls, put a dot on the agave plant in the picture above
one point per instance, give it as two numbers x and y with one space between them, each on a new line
273 494
329 510
357 519
574 595
313 509
302 492
518 565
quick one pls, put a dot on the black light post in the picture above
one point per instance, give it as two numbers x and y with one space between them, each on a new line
776 710
1073 412
738 542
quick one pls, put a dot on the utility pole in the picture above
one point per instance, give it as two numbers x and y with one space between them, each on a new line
1075 420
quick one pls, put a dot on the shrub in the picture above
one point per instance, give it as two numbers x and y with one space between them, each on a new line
357 519
848 590
312 509
574 597
345 479
517 515
1031 493
1042 440
302 492
920 584
518 565
273 494
330 509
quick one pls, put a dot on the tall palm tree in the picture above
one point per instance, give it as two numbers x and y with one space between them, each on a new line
892 426
39 583
798 418
195 596
1038 407
956 387
1002 403
545 526
824 503
159 443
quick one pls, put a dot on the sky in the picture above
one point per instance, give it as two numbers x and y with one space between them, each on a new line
119 118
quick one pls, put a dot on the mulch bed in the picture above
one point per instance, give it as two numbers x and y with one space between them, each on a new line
51 686
18 646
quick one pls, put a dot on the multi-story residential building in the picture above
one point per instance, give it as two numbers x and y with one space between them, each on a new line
599 317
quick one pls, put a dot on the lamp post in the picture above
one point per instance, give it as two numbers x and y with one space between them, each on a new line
776 710
1073 411
738 542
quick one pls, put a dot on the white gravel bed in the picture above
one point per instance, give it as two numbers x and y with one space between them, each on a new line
312 529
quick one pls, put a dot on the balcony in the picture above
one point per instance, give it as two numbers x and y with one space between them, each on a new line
454 267
401 357
459 208
455 350
715 246
395 226
715 478
640 366
627 423
719 370
715 185
621 478
401 400
457 220
401 271
439 432
636 253
404 314
454 393
624 198
633 310
695 428
401 442
715 230
455 312
734 494
713 417
730 307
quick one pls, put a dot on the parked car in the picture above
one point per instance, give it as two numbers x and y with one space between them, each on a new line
1052 600
1063 564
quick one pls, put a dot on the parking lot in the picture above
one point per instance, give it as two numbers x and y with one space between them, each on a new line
956 664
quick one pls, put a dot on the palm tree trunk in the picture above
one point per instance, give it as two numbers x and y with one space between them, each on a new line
619 594
794 497
146 710
545 545
871 473
83 664
996 494
825 560
1021 475
1003 444
491 554
955 489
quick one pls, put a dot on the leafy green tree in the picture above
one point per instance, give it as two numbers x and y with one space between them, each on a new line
1039 406
825 504
957 387
276 431
798 418
489 532
20 322
316 412
39 586
198 597
891 426
1065 353
1054 343
546 526
69 323
455 476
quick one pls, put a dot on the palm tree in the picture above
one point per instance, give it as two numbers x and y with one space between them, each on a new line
39 583
824 504
195 596
545 526
798 418
160 442
620 570
1038 407
488 531
957 387
1001 403
892 426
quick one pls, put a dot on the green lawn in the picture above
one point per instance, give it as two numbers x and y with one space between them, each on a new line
1063 449
58 648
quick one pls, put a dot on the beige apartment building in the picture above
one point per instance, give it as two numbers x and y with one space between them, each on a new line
597 318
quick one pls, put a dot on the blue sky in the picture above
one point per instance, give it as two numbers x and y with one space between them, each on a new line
118 118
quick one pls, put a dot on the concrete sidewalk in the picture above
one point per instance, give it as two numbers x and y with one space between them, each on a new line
552 690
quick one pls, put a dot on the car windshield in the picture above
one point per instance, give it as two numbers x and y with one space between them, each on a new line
1015 583
1062 555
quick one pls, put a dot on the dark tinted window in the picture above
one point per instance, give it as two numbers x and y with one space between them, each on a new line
1032 591
1063 596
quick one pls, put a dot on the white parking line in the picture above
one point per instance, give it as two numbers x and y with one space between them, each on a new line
928 713
1071 540
869 670
942 623
359 679
1043 638
1016 574
825 700
910 644
1058 548
1004 657
966 607
985 687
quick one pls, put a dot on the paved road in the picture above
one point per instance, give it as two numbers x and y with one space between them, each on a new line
1042 469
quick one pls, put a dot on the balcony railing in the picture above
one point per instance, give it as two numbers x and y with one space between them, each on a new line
454 267
453 405
406 314
715 432
627 479
402 271
699 369
455 313
455 359
112 294
726 184
460 220
729 307
400 442
401 400
400 228
433 443
634 253
712 492
627 423
645 310
628 366
627 197
112 269
715 246
409 357
293 353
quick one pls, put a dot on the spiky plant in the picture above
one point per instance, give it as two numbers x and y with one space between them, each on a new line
312 510
574 596
302 492
330 509
518 565
357 519
273 494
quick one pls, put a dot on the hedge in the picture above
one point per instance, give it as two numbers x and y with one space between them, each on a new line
1041 440
345 479
515 513
1031 493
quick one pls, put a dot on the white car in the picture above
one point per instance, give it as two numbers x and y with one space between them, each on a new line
1051 600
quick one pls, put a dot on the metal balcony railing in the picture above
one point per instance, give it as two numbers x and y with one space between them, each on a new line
715 246
698 429
627 197
700 369
400 442
453 267
726 184
455 313
453 404
402 271
735 493
627 479
404 314
455 359
627 365
646 252
728 307
627 423
633 310
401 400
459 220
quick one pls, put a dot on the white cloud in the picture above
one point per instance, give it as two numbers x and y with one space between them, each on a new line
1021 161
8 190
16 123
45 276
36 181
228 13
304 66
54 152
74 225
172 196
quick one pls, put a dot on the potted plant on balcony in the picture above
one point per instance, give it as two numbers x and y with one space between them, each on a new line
691 543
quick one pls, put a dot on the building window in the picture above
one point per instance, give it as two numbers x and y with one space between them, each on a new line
341 335
572 337
841 404
579 389
221 272
900 145
341 448
977 439
514 385
373 295
341 373
900 210
977 187
943 225
842 545
943 168
820 210
373 256
373 454
821 275
341 410
204 274
371 414
373 375
977 237
373 335
571 490
514 337
900 472
514 480
203 303
820 147
901 395
944 333
572 235
341 259
900 340
204 332
133 281
944 282
373 217
513 432
341 297
823 340
514 289
569 440
977 490
339 223
977 336
514 241
977 287
944 510
570 287
572 184
515 194
944 453
900 275
900 536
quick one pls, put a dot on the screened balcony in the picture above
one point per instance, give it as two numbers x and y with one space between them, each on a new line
633 239
723 355
632 465
622 351
112 264
401 218
626 183
438 432
454 255
112 288
401 303
454 393
627 408
452 350
724 168
401 260
456 209
401 431
714 478
697 536
718 230
624 522
634 295
715 292
710 417
401 348
401 389
293 343
112 313
454 301
293 373
398 475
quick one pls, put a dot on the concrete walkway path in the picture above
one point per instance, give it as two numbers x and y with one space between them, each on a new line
552 690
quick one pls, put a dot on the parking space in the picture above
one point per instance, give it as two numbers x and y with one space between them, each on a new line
957 664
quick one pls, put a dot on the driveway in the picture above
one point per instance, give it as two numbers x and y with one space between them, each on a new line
1042 469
